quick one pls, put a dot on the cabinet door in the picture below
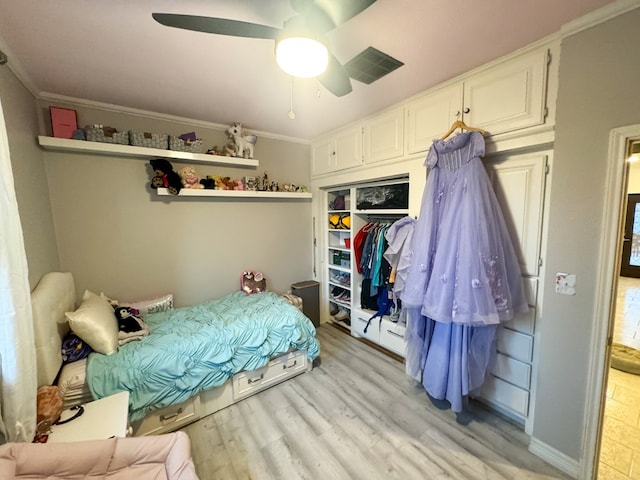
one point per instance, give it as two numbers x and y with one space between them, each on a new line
384 136
430 116
509 96
348 148
322 157
519 185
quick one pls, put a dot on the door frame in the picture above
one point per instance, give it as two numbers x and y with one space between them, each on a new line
606 285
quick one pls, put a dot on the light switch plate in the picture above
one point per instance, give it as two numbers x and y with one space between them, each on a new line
565 283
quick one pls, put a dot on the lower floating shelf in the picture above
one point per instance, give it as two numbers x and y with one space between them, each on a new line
205 192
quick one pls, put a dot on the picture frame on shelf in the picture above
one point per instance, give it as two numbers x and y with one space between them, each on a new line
64 121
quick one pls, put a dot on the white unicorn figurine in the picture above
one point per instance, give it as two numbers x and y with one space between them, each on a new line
244 142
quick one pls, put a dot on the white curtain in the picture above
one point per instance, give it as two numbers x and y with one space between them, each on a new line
18 382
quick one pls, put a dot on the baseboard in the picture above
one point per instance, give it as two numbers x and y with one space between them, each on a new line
554 457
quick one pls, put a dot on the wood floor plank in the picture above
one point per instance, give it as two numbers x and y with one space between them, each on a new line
357 415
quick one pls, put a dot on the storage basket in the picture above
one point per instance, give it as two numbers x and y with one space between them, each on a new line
151 140
193 146
97 134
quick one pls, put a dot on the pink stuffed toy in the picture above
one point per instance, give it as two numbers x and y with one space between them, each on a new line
189 178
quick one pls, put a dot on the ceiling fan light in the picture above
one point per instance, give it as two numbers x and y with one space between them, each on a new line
302 57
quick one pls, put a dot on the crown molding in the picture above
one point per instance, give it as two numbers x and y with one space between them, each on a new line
598 16
53 97
17 69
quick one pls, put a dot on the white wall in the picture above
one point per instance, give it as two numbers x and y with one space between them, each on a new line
116 235
598 91
32 190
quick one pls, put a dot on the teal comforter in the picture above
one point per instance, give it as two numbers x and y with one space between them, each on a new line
196 348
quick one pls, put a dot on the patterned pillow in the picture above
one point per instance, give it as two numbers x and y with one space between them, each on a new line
74 348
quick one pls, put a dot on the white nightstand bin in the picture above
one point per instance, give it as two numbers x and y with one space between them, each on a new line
104 418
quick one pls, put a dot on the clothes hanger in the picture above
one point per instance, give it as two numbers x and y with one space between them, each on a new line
462 126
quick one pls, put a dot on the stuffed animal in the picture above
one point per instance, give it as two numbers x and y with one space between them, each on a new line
128 321
252 282
208 183
244 142
189 178
165 176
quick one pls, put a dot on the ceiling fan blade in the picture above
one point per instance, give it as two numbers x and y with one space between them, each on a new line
335 78
339 11
220 26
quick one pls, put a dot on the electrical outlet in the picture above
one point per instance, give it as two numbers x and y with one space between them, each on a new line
565 283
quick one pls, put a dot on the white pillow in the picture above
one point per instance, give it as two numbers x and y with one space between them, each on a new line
151 305
95 323
148 305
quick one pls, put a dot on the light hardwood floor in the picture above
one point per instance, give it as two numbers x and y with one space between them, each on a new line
357 416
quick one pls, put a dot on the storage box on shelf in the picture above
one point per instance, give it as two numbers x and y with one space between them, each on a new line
148 139
180 145
94 133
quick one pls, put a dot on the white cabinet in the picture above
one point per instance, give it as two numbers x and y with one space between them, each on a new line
341 150
519 183
430 116
506 97
104 418
384 136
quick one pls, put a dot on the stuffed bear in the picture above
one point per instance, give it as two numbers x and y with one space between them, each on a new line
128 321
208 183
165 176
189 178
130 326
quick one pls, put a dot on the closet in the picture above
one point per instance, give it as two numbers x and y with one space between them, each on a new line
368 206
513 99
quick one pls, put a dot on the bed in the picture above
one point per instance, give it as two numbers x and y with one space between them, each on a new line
195 360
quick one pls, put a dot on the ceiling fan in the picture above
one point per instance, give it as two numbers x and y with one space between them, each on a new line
313 19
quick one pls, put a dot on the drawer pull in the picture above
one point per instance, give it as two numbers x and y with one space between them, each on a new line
164 418
254 380
394 333
286 367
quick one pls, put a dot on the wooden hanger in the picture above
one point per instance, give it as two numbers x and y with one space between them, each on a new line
463 126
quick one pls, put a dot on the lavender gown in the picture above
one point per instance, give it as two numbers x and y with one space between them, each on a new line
464 278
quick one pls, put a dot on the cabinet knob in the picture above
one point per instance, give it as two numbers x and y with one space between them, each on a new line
457 113
466 110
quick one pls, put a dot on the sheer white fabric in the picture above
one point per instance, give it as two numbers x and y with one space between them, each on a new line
18 384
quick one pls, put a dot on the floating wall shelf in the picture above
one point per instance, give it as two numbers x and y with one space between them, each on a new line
204 192
114 149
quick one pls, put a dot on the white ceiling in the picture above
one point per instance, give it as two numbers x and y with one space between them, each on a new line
114 52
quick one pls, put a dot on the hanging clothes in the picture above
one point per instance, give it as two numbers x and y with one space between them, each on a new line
463 279
398 252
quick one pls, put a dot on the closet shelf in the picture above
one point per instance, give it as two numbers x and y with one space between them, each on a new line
188 192
373 212
114 149
340 268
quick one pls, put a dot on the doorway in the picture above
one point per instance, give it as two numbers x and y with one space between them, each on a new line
630 262
616 405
